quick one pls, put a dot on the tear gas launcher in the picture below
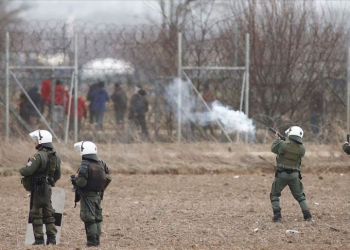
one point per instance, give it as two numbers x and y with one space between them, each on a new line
278 133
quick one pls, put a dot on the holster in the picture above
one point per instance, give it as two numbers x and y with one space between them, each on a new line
108 181
77 198
41 191
51 181
40 185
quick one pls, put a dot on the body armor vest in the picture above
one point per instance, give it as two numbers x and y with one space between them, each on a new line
291 158
97 177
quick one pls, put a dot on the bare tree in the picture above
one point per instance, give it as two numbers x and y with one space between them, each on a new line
293 46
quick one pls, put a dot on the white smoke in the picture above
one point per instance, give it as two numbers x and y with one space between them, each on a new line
188 100
194 110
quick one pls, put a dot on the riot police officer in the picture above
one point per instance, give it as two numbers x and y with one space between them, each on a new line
289 154
41 173
90 181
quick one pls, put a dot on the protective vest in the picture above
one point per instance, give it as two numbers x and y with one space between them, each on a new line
97 177
291 158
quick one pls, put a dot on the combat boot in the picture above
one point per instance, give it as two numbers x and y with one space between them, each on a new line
98 240
307 215
277 217
39 241
91 241
51 239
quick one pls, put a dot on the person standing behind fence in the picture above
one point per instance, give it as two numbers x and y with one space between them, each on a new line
119 99
138 109
99 97
82 111
209 98
46 91
61 97
31 114
88 97
23 112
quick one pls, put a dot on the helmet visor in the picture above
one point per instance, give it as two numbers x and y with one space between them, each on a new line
35 135
77 146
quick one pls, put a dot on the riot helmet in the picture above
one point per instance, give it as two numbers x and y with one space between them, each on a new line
86 148
295 133
43 137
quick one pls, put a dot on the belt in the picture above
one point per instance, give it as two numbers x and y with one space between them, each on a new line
92 192
288 171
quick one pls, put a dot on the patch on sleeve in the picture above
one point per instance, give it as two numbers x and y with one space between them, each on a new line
33 158
29 163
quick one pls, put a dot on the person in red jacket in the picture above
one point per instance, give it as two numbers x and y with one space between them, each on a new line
46 91
61 97
82 111
61 94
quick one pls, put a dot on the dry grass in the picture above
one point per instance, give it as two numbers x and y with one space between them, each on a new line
196 158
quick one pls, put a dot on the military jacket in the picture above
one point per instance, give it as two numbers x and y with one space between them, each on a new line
37 164
289 154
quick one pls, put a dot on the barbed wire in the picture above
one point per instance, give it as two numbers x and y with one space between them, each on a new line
136 54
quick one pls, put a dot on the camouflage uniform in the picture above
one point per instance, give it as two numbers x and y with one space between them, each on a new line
92 180
289 156
45 166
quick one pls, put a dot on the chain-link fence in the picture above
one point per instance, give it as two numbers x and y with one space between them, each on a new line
145 57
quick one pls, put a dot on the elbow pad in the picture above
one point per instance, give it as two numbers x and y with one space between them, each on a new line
83 168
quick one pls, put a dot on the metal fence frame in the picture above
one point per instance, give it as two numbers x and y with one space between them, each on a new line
9 72
245 83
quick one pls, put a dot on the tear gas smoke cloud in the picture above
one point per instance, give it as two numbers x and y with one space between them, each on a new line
194 110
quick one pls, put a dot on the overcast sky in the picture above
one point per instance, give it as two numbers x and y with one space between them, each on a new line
110 11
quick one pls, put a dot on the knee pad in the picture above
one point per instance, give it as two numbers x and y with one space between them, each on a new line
274 198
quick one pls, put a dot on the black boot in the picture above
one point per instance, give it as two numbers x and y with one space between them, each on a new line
277 217
98 240
91 241
51 239
39 241
307 215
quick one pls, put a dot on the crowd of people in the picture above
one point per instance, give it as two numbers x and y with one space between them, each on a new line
97 97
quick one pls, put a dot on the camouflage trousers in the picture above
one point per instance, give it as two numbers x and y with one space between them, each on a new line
92 221
43 215
295 185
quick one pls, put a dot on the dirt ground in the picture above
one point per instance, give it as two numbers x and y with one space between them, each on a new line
223 211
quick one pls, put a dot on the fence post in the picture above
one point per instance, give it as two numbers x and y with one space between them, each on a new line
76 88
179 97
247 62
348 93
7 53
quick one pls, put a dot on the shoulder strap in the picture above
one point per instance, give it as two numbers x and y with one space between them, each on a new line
84 167
43 166
104 166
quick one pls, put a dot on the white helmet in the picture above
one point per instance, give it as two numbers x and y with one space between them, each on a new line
42 136
85 148
295 133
